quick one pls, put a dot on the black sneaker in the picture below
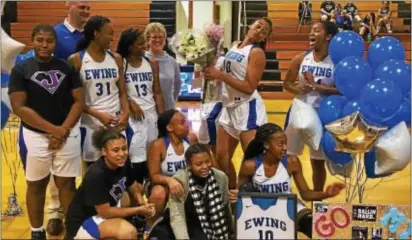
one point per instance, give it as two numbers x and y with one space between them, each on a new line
38 235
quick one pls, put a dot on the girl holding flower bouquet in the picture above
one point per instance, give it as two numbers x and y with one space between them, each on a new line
243 108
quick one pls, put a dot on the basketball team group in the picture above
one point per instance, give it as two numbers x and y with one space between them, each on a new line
109 117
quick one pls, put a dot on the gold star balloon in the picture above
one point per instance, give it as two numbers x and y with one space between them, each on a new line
353 134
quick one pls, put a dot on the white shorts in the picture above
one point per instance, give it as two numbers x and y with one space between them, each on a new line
90 228
209 113
89 152
296 144
140 134
40 161
243 117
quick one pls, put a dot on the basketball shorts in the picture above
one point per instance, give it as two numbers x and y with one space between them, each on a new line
210 113
140 134
243 117
40 161
296 144
90 228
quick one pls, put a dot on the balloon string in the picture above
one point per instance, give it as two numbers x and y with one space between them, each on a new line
7 162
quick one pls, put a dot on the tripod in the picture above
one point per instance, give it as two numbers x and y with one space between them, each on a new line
307 10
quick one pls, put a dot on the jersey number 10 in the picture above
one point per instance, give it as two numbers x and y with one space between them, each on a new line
227 66
265 235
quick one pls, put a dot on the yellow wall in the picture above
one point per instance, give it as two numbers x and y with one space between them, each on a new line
226 20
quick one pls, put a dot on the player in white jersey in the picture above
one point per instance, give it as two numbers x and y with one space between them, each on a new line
145 98
166 156
313 71
267 168
101 73
243 108
210 110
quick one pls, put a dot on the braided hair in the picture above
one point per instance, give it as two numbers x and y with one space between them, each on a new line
127 39
95 23
263 134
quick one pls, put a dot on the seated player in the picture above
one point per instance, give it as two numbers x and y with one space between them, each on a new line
166 157
266 168
368 25
352 11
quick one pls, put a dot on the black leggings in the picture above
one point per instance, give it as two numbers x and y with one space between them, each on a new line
305 225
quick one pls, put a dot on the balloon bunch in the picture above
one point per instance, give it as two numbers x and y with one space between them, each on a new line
375 98
10 50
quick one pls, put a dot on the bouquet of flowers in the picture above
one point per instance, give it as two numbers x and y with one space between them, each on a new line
200 48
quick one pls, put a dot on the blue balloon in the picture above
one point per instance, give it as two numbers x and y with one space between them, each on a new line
402 114
4 114
328 145
383 49
4 80
351 107
330 109
380 99
408 96
345 44
351 75
397 70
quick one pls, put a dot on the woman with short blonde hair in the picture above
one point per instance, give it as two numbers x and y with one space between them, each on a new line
155 34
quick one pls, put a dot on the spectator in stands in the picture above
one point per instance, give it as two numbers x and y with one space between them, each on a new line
305 12
71 30
98 210
166 157
327 11
68 33
47 95
205 194
352 11
368 26
155 34
384 18
343 19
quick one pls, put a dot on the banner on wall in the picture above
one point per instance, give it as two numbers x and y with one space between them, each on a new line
266 216
361 221
187 90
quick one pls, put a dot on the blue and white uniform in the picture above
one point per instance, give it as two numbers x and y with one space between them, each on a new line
173 162
139 84
101 93
210 111
323 74
278 183
241 112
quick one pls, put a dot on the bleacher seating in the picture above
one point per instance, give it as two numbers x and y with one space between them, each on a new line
287 41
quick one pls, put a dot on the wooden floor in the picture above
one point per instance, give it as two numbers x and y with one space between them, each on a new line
395 189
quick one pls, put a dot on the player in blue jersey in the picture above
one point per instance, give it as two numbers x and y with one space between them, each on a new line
266 168
310 78
243 108
101 72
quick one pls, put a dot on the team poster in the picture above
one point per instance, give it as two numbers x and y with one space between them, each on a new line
266 216
361 221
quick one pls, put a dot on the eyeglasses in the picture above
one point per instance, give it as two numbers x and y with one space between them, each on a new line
157 38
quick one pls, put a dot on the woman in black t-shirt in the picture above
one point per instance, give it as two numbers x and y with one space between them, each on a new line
95 211
47 95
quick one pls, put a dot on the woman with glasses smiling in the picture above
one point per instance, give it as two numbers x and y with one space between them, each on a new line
155 34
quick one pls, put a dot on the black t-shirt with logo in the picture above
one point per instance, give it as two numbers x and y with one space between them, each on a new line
100 185
48 86
328 6
350 8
